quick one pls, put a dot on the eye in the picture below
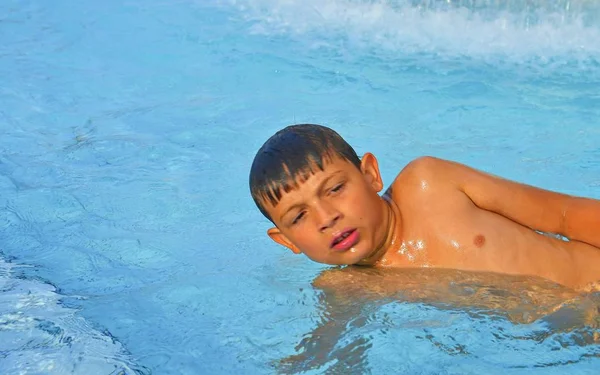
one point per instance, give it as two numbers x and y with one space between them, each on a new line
337 188
298 217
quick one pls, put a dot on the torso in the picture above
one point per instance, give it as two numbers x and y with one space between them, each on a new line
441 227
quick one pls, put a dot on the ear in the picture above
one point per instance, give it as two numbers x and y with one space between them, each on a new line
370 170
281 239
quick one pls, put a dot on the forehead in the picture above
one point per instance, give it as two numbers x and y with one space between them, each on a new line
307 183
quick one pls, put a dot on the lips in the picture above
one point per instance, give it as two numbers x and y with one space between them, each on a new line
345 240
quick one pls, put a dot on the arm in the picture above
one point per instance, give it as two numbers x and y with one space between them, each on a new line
573 217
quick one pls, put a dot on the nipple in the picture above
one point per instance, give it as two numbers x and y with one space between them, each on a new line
479 240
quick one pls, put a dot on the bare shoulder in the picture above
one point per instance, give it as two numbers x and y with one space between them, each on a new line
425 171
445 173
533 207
424 165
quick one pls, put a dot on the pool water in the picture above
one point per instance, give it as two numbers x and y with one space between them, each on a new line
128 240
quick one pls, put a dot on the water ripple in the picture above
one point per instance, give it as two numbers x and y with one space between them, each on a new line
40 335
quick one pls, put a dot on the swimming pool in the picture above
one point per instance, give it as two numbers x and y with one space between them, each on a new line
128 240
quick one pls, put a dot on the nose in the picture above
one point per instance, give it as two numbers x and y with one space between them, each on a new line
328 216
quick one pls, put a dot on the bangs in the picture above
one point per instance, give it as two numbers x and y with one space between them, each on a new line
282 180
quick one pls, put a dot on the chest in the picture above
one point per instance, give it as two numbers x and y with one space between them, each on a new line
461 235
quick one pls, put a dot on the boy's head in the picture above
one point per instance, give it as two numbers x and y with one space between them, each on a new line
290 156
321 197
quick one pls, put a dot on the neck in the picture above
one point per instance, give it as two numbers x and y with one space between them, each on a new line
392 232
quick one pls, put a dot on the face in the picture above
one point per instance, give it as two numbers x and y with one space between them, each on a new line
336 216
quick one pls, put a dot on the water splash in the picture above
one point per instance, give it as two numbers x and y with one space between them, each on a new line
519 31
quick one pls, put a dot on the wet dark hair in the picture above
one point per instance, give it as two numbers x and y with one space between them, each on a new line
290 155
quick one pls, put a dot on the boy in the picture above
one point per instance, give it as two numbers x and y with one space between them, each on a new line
324 202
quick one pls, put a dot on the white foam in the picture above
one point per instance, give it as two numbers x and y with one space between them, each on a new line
39 335
535 30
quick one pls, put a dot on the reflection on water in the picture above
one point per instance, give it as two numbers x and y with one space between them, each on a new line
359 306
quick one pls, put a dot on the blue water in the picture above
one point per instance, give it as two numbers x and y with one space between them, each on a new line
128 240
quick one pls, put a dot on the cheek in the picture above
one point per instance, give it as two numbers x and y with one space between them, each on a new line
365 208
305 240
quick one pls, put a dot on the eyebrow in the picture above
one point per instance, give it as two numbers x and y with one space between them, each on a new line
319 188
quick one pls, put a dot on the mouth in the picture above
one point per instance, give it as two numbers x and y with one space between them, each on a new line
345 240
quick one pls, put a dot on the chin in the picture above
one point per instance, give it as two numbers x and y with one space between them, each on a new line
357 257
344 261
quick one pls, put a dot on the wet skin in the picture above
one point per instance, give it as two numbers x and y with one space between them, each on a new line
439 214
